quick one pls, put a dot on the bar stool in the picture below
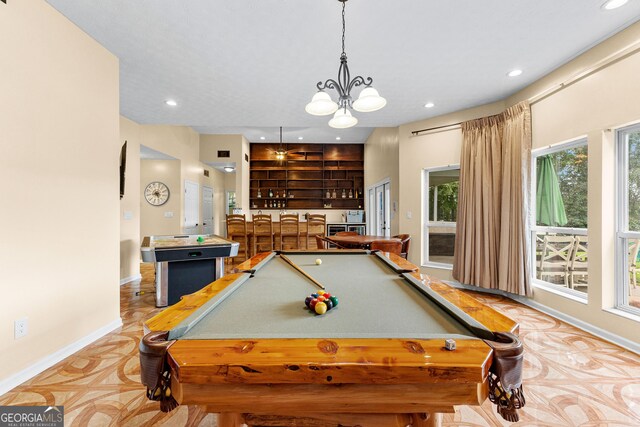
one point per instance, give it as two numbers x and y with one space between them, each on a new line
262 233
237 231
316 225
290 227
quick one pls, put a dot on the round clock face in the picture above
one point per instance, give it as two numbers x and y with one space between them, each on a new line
156 193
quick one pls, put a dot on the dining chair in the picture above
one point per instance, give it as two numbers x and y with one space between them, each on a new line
392 246
262 233
556 257
579 263
316 225
406 242
237 231
346 233
289 228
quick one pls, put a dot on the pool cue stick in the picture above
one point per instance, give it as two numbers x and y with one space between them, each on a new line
315 282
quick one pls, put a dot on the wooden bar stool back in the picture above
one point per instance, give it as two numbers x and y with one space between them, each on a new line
237 231
316 226
262 233
289 231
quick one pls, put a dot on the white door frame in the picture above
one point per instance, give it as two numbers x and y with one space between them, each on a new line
191 224
373 226
208 222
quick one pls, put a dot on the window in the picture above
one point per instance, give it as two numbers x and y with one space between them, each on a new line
441 198
628 219
559 217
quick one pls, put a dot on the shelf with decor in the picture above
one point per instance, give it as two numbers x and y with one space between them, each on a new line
306 174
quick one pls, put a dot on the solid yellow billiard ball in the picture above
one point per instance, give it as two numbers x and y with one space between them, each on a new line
318 261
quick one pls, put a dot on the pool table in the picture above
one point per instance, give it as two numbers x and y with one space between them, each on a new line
397 349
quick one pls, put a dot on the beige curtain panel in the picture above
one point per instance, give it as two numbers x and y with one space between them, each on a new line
492 244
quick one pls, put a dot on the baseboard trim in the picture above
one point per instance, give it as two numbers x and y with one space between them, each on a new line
26 374
130 279
580 324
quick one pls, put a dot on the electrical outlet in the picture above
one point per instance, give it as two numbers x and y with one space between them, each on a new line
21 328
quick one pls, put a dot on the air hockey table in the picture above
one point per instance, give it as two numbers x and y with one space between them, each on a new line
185 263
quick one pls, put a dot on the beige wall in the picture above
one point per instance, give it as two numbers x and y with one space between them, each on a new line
152 218
381 161
593 106
130 204
181 143
59 150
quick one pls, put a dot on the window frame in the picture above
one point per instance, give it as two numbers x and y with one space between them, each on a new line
533 228
426 223
622 234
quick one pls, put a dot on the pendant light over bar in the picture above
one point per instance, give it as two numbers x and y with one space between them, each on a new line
369 100
281 153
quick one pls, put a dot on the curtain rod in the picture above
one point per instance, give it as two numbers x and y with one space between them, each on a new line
619 55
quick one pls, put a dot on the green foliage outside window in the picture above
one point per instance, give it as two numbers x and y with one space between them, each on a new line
447 207
634 181
572 170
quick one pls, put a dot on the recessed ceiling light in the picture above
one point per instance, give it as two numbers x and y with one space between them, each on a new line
300 138
338 138
262 138
229 168
514 73
613 4
429 105
171 102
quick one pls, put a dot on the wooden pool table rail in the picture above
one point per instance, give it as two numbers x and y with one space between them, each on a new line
402 380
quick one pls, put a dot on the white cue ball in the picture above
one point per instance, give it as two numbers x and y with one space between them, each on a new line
318 261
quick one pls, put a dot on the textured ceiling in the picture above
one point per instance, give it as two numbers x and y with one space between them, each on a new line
251 66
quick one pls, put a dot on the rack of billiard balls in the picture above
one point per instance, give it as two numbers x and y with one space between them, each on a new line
321 302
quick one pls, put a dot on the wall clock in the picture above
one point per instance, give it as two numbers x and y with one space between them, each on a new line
156 193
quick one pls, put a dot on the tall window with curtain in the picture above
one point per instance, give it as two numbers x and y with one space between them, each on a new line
492 243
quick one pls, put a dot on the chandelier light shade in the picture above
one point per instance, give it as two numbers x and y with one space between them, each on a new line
281 153
322 105
343 119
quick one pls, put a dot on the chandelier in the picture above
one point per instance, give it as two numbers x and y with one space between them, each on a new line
322 105
281 153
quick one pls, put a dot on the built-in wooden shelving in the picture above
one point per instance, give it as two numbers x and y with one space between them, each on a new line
313 176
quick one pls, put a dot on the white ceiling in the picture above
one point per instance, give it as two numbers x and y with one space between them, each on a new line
251 66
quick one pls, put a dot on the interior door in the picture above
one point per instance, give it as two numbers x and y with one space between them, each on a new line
380 210
207 210
191 207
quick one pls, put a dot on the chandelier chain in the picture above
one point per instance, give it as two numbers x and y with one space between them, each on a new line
343 27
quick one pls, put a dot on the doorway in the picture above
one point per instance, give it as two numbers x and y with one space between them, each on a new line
379 209
191 207
207 210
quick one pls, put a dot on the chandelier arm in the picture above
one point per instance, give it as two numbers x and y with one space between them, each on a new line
331 84
359 81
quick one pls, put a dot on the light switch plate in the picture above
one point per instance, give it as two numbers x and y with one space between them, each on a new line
409 214
168 214
128 215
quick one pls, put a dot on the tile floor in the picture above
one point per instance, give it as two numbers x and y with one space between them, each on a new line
571 378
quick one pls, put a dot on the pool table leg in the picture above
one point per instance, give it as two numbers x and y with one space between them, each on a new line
230 419
317 420
432 419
